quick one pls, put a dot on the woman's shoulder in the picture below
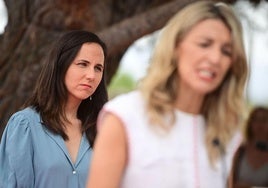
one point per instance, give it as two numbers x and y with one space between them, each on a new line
126 105
28 113
25 117
125 99
19 126
135 94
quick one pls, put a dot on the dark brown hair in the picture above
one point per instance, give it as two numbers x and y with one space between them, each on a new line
258 114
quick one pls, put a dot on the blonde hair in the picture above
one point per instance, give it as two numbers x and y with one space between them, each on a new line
223 107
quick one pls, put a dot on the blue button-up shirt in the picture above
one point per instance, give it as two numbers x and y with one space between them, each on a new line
32 156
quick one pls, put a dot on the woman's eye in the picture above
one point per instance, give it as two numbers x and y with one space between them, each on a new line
227 52
83 64
203 45
98 68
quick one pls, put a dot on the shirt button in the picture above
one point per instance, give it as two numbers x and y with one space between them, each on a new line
74 172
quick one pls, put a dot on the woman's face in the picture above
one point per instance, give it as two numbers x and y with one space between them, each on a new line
204 57
259 126
85 72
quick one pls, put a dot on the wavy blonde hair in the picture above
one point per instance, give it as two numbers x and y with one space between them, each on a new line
223 108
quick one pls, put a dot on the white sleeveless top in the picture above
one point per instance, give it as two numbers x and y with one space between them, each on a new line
177 159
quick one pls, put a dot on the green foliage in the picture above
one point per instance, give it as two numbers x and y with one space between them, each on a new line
121 83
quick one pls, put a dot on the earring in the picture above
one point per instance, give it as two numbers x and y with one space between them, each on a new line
90 98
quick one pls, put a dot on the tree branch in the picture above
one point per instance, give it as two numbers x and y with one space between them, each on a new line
121 35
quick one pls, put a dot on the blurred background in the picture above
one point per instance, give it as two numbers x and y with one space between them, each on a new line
255 22
129 28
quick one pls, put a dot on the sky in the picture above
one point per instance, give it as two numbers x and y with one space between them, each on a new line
135 60
3 16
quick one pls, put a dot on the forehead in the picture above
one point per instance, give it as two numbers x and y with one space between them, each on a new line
210 28
91 50
91 46
261 115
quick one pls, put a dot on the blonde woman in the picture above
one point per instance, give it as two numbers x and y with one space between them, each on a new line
181 127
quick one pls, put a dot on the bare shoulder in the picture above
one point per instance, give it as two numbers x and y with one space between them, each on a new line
110 126
110 154
111 136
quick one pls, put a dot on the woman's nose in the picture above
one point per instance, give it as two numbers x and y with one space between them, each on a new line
215 56
90 74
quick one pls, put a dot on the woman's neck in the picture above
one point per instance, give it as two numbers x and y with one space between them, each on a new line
255 156
190 103
71 114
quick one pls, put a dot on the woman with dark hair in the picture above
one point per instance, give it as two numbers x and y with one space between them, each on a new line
250 163
49 143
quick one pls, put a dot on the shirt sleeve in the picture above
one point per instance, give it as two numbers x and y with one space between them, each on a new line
16 154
